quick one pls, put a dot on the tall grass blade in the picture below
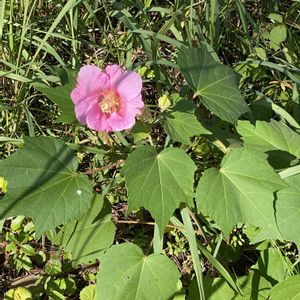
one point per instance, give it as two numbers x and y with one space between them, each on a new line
190 234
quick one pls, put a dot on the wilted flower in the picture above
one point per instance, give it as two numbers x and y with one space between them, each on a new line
107 100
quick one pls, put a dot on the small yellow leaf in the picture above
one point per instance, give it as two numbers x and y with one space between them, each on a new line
146 73
164 102
3 185
22 293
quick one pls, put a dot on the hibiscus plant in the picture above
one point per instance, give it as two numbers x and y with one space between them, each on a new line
166 164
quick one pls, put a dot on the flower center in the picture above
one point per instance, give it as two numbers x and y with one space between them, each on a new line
110 102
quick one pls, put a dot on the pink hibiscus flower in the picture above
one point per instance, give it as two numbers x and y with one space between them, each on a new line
107 100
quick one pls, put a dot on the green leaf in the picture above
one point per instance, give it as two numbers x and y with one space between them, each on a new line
28 250
125 273
252 232
266 136
288 210
64 286
61 96
159 182
17 223
180 122
20 261
180 293
53 294
164 102
140 131
3 185
43 184
216 83
277 36
241 191
88 293
275 17
214 289
1 226
86 238
21 293
261 53
254 286
273 265
287 289
53 266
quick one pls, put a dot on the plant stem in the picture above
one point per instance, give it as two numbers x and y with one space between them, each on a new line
119 162
144 223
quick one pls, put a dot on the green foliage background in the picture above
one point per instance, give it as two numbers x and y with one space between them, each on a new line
200 198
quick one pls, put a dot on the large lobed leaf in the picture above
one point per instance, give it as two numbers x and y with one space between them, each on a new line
253 286
288 210
214 289
180 122
273 265
241 191
87 238
216 83
125 273
288 289
43 184
159 182
267 136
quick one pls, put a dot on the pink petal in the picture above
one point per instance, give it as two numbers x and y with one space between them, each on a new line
96 120
83 107
91 79
76 95
114 72
129 85
121 120
137 101
92 84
